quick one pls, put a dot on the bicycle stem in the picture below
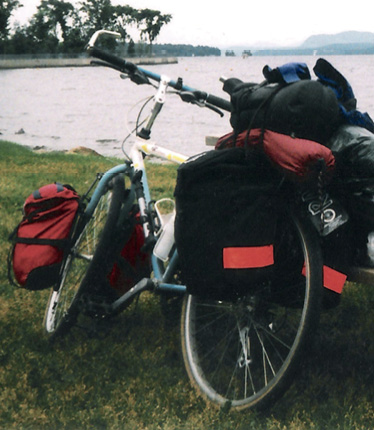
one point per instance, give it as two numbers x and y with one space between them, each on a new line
160 97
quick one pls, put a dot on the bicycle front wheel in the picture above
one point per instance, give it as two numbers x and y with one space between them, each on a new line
94 237
244 353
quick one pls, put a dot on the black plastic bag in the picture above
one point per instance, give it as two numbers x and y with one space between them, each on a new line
353 182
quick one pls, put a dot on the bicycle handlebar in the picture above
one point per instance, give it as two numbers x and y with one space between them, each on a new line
141 76
214 100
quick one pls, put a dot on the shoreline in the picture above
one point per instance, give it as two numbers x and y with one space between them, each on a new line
32 63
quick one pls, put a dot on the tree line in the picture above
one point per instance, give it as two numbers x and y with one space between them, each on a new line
60 27
162 50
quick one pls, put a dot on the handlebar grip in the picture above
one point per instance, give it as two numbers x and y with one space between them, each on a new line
219 102
118 62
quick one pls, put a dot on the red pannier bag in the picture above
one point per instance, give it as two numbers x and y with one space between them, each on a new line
133 263
42 236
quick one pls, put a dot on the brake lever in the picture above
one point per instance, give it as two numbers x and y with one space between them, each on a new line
138 78
190 97
214 109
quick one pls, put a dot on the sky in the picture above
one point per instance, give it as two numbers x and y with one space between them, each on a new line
246 22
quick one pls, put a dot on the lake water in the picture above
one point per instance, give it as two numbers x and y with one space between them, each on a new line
63 108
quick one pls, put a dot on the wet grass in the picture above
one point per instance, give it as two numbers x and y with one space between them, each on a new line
128 374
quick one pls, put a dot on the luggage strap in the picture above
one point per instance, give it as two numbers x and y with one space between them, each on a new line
59 243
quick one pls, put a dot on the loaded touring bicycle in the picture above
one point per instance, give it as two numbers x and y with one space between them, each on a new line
246 242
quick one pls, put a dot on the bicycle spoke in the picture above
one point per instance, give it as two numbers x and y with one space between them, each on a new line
248 356
81 265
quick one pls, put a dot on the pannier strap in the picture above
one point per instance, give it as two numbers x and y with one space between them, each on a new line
59 243
248 257
36 194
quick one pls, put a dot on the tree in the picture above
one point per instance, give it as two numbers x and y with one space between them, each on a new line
58 26
125 17
131 49
55 28
64 21
57 13
100 14
150 23
42 38
97 14
20 42
7 7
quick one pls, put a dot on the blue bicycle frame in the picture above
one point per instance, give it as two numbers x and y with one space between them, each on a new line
162 277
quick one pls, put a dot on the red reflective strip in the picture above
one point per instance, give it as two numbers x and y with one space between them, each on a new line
248 257
332 279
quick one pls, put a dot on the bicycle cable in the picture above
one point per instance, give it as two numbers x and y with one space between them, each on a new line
138 124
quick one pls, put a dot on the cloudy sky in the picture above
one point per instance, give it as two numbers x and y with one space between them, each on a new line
247 22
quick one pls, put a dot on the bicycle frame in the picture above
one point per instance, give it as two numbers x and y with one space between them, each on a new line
162 277
135 168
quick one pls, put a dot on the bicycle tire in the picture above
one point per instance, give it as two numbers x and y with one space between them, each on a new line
88 253
244 354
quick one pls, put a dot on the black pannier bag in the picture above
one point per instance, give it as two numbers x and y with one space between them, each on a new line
226 206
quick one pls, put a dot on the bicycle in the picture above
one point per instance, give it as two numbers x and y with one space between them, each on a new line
238 354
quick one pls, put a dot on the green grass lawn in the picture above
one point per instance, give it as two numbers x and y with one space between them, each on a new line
128 374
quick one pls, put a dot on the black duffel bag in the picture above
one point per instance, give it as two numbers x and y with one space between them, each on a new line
305 109
226 216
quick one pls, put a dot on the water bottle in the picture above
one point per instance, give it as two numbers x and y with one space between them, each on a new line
166 240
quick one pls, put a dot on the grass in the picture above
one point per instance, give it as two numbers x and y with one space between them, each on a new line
128 374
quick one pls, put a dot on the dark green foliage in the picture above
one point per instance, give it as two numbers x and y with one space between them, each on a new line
58 26
7 7
184 50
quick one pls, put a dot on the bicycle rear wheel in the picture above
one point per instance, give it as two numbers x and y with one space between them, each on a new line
244 354
89 252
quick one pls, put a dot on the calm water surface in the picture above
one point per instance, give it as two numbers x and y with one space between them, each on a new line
63 108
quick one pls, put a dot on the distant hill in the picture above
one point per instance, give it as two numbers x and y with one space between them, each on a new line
345 43
346 37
